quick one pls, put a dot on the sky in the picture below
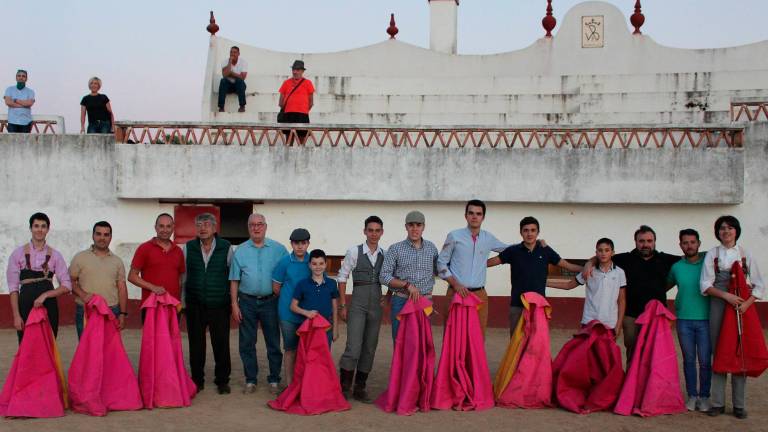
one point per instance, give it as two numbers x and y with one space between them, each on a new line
151 54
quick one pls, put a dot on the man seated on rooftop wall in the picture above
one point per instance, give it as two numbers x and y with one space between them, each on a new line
233 73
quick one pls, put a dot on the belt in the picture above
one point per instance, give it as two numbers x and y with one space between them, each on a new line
264 297
475 289
34 280
406 295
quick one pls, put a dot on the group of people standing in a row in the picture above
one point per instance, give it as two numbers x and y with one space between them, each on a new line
260 284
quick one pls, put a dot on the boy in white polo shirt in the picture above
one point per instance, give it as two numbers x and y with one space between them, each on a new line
605 291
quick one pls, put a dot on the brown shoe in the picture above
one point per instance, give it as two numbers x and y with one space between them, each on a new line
221 109
241 109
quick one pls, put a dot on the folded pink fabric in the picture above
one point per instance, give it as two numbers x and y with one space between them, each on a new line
101 377
587 372
35 385
163 379
652 385
315 388
413 362
531 384
463 381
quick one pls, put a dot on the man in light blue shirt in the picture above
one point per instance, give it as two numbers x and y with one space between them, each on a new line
254 302
19 99
462 262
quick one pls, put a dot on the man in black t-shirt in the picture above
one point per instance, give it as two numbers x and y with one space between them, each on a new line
646 270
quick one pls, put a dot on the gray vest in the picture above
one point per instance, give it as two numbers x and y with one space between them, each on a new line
364 273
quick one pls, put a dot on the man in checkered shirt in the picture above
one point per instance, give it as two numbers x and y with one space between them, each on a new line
410 267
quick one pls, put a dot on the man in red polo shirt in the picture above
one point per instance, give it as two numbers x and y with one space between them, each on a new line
296 99
158 264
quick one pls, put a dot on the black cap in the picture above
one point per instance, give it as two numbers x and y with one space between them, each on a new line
299 234
298 64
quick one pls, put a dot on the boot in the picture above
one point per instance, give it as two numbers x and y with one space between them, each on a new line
345 378
359 393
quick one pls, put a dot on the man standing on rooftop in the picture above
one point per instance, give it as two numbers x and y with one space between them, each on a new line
462 262
19 99
296 99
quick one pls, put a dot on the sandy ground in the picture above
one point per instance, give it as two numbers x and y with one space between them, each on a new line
235 412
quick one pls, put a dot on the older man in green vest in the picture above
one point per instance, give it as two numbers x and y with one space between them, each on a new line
206 294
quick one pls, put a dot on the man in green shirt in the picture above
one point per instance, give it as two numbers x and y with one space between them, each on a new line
692 311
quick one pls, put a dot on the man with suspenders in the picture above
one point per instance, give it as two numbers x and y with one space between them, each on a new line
363 316
30 273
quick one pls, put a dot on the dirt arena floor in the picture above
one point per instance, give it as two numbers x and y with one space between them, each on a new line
237 412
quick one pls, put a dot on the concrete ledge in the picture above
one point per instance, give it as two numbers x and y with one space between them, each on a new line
607 176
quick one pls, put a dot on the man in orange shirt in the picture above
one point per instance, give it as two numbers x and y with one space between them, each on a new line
296 99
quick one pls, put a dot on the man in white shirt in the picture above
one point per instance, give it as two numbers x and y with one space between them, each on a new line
364 263
233 71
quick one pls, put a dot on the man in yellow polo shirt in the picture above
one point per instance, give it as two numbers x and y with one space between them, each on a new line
97 270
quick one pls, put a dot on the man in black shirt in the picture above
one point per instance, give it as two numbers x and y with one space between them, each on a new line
646 270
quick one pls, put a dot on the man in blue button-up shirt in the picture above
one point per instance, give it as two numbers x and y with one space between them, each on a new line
19 99
462 262
253 301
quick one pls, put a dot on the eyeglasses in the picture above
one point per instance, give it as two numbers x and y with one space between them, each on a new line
257 225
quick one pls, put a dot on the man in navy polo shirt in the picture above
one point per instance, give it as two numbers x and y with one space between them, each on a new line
528 261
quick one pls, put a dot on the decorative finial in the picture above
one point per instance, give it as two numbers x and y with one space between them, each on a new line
392 29
637 19
549 22
212 27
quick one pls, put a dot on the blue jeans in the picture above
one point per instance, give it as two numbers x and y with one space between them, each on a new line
226 86
290 338
397 305
80 312
99 127
694 340
257 311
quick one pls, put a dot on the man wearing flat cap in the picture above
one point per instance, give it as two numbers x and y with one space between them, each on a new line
296 100
289 271
409 268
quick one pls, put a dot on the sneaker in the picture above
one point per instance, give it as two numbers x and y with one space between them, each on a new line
690 403
241 109
704 405
249 388
274 389
221 109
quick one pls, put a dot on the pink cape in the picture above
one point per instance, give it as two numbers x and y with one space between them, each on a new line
463 381
530 383
413 362
652 386
587 372
101 377
315 388
35 384
163 380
